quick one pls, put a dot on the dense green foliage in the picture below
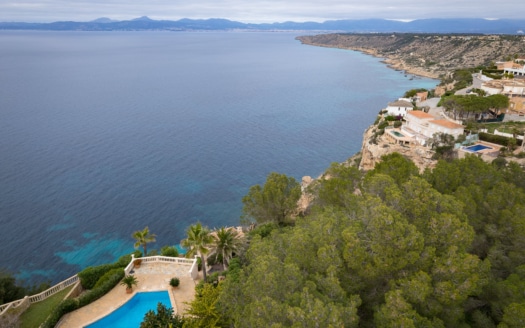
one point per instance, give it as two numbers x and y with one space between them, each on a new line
91 275
9 290
226 243
162 318
108 276
494 138
170 251
101 279
392 248
12 290
413 92
465 107
273 202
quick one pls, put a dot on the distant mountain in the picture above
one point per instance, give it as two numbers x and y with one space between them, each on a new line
103 20
455 25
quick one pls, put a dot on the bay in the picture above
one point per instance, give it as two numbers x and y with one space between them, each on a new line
104 133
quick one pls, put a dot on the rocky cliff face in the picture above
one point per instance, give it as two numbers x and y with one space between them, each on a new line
424 54
371 152
372 149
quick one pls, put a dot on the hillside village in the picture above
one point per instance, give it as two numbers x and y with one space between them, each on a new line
414 126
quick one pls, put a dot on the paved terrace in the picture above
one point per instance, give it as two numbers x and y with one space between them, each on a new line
153 276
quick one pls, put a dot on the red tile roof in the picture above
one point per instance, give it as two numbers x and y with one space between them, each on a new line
419 114
447 124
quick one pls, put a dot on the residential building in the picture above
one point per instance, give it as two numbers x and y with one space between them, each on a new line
423 126
399 107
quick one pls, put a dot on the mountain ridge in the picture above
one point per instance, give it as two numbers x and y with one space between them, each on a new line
433 25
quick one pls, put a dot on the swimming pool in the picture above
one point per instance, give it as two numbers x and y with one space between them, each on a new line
476 148
397 134
132 313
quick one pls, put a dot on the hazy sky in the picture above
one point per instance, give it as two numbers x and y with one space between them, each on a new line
256 11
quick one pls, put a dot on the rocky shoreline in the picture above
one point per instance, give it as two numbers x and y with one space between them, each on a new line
391 61
432 56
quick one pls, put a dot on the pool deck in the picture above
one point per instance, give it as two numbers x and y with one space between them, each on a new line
151 277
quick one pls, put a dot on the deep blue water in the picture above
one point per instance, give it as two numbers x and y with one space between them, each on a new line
133 311
104 133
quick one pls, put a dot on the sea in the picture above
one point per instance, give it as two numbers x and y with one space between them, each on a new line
105 133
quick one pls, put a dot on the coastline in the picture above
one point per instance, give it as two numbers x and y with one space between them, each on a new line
391 62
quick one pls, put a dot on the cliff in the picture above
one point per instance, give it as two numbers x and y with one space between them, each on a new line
424 54
371 152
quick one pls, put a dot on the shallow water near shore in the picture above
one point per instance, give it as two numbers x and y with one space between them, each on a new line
104 133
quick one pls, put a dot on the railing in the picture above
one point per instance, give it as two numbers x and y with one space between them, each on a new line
158 258
74 279
178 260
41 296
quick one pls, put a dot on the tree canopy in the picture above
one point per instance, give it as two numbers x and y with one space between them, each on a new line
391 248
467 106
275 201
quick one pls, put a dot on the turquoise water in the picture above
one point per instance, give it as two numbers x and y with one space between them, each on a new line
180 249
131 314
104 133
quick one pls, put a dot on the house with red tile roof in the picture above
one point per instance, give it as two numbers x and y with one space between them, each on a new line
423 126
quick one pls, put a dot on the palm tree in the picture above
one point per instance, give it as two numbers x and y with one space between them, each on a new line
129 281
197 243
227 241
143 237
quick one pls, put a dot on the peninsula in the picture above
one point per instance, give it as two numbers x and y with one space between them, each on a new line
425 54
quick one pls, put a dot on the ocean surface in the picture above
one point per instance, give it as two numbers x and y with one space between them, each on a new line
104 133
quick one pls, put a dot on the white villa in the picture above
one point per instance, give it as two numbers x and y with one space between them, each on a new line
399 107
516 70
423 126
510 87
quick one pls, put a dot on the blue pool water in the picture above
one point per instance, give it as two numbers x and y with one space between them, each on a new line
476 148
131 314
397 134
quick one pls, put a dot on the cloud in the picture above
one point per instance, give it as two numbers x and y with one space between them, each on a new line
256 11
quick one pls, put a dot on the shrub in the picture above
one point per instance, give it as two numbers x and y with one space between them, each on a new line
107 276
499 162
500 140
100 279
169 251
100 291
213 278
397 124
124 260
263 230
390 118
90 275
64 307
382 125
174 282
164 317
